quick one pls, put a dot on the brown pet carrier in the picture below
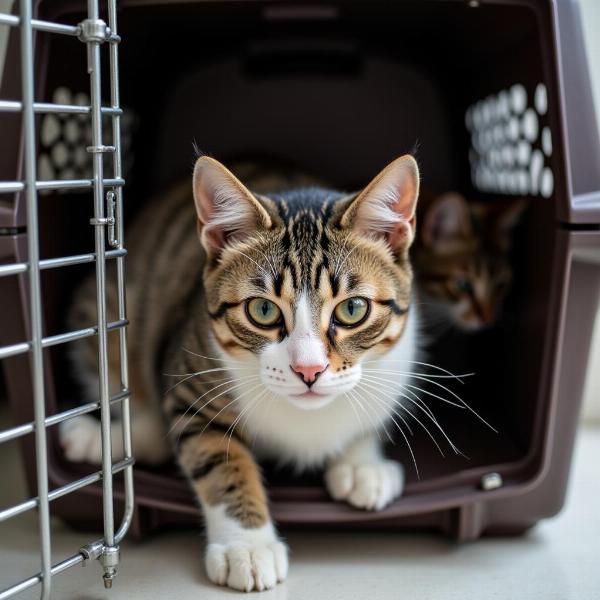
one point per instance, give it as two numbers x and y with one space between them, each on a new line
494 95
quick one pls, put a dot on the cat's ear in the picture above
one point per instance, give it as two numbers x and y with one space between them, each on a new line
386 207
226 209
446 221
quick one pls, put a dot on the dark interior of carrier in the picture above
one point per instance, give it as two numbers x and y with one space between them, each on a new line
337 90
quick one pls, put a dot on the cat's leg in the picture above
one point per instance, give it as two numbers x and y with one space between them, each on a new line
243 549
363 477
81 438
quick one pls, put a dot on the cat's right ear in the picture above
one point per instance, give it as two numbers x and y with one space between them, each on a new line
227 211
446 222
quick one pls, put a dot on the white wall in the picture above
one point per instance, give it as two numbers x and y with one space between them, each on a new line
590 10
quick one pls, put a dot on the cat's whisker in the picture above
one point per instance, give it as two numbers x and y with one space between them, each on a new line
459 399
236 399
411 414
430 393
411 373
398 387
373 425
343 262
360 423
419 402
225 360
261 399
407 441
385 406
264 272
272 398
416 362
267 258
246 409
381 423
403 385
243 381
190 376
428 413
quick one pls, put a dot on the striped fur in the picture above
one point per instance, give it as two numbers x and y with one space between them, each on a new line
232 393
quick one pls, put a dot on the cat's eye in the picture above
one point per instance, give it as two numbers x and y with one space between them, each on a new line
464 285
263 312
351 312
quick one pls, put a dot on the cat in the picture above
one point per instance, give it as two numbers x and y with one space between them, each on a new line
267 312
461 258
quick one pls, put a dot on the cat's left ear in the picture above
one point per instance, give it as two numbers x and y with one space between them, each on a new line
227 211
386 208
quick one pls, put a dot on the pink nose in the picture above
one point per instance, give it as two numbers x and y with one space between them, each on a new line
308 373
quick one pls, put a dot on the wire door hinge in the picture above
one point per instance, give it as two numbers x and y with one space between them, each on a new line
110 220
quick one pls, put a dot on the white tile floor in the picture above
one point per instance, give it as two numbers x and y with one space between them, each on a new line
558 560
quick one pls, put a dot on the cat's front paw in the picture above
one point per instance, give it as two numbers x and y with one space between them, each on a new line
371 486
81 439
245 566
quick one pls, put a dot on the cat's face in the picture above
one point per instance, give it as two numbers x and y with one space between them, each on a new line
305 286
462 259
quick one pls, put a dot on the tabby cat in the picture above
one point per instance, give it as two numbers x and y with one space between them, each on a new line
267 312
461 259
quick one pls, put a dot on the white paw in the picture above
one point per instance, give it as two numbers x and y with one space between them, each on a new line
247 567
370 486
81 440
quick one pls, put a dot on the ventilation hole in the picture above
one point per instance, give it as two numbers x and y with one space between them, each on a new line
547 183
68 173
523 152
50 131
498 134
81 156
518 98
60 155
508 156
72 131
541 99
513 182
523 179
535 170
547 141
530 125
489 138
512 129
45 168
81 99
62 95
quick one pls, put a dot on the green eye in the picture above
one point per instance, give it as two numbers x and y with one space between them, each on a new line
464 285
352 311
263 312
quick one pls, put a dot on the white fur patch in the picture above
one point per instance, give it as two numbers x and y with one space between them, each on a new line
364 478
243 559
374 213
229 213
305 345
290 432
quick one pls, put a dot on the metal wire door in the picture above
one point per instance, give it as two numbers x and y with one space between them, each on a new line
108 231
